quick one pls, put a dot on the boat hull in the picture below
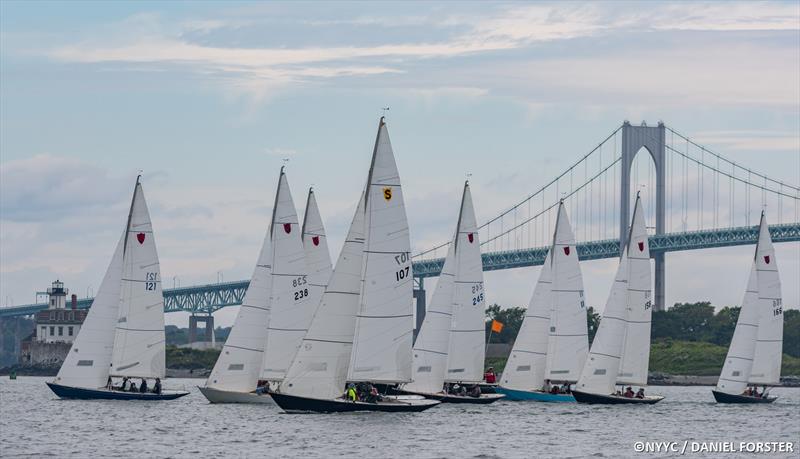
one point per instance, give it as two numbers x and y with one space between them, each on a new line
484 399
224 396
585 397
297 404
82 393
722 397
534 395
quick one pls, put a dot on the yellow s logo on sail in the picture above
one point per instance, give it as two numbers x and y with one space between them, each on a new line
387 193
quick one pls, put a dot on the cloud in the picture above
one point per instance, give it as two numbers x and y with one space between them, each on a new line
751 140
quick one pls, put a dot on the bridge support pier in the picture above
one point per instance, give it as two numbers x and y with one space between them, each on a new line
208 321
419 296
653 139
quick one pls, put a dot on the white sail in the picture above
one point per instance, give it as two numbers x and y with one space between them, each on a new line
239 363
315 246
525 369
568 343
319 369
88 361
468 332
139 349
599 374
739 361
384 325
769 343
636 347
433 340
290 308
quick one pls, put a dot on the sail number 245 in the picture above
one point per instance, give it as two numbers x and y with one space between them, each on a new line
150 281
405 271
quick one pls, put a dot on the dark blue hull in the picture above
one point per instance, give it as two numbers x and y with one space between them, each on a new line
296 404
585 397
82 393
722 397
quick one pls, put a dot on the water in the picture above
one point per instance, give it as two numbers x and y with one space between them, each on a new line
36 423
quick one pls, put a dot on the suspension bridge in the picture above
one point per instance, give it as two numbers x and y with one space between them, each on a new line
695 197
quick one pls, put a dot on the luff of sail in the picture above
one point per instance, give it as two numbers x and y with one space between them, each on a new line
238 366
636 347
525 368
568 342
139 349
433 341
384 325
319 369
468 333
290 309
739 360
315 246
769 342
88 362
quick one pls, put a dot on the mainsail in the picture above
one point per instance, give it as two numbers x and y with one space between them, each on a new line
384 325
315 246
88 361
636 347
525 369
139 349
238 366
319 369
568 342
769 343
468 332
629 292
290 308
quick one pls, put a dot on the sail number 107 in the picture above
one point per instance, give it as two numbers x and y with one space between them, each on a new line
405 271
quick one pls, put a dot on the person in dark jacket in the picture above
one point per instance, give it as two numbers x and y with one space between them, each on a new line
143 387
157 386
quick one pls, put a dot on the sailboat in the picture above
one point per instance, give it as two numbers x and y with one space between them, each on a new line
123 334
361 330
450 345
754 356
553 342
620 351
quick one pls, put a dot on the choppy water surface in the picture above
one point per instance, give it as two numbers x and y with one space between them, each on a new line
34 422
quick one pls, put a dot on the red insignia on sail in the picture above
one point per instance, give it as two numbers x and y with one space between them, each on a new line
641 247
315 240
766 259
287 227
140 238
566 250
471 237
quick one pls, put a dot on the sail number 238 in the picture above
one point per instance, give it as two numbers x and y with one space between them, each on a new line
150 281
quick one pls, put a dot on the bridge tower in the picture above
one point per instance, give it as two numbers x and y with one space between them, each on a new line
653 139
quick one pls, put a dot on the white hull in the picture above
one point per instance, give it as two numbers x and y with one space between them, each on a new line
223 396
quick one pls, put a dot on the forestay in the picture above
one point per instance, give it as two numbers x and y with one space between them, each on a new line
319 369
239 363
88 361
433 340
384 325
525 369
139 349
769 342
468 332
315 246
290 308
568 342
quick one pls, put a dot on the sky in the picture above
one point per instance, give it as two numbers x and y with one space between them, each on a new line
208 99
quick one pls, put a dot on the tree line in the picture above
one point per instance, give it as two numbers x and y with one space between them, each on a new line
682 322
